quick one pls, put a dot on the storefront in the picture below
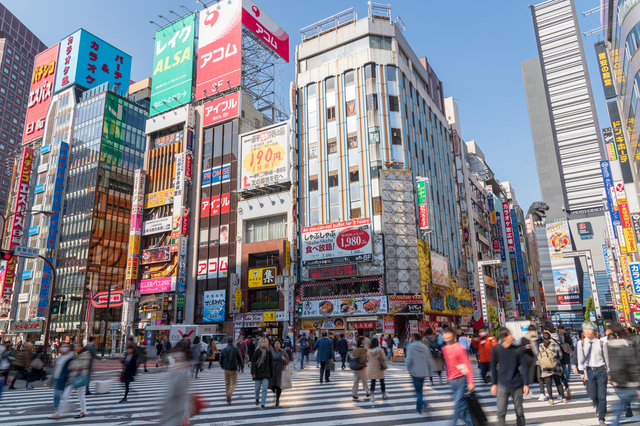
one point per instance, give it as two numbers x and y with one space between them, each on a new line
447 307
315 327
25 330
255 324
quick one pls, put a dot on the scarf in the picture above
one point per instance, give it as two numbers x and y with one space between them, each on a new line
263 357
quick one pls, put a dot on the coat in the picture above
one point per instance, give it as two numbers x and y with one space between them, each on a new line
196 353
484 348
130 368
361 353
343 346
81 364
176 406
278 367
622 362
419 360
212 350
24 357
324 348
557 351
438 361
230 358
265 371
374 357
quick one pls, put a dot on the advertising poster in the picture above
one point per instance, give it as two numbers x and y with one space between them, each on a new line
112 148
565 277
219 48
258 22
522 282
265 156
159 198
214 306
405 304
609 190
156 226
156 255
439 270
221 109
347 306
262 277
337 243
42 81
421 193
173 65
157 285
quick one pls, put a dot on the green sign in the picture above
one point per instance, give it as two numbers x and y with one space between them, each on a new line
173 65
180 301
113 131
421 192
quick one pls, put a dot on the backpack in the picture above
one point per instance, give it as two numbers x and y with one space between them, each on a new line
547 359
354 363
435 348
566 352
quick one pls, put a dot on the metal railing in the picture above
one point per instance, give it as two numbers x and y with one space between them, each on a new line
328 24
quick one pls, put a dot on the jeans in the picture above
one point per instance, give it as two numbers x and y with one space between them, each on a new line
484 370
324 370
390 353
258 384
359 376
382 386
566 369
461 405
564 376
626 395
597 385
302 355
503 400
418 384
57 394
230 381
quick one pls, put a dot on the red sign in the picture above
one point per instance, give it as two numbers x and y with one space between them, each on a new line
221 109
205 207
258 22
352 239
625 217
333 271
225 202
188 167
42 81
185 222
100 299
362 324
424 216
220 48
19 326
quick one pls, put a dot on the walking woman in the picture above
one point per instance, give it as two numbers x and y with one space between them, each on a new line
37 367
61 373
212 351
359 374
78 378
262 370
129 370
196 356
430 340
280 360
375 370
548 353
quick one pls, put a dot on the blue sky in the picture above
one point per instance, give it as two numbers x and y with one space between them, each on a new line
474 47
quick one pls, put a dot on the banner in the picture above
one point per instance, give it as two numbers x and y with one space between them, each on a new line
337 243
265 156
405 304
42 81
565 277
157 285
609 190
214 306
221 109
345 307
522 281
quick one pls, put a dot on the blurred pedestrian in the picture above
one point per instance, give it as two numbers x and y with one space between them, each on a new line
91 347
485 345
158 352
60 375
358 364
22 363
324 355
420 365
288 347
303 344
390 345
280 361
129 369
5 363
262 370
242 347
530 344
230 359
376 366
212 351
343 349
197 354
549 359
509 376
459 375
177 406
78 379
431 341
36 371
593 369
623 369
251 349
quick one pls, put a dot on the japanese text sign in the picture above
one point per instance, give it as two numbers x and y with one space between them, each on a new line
620 144
42 81
262 277
221 109
265 157
606 72
258 22
214 306
634 269
339 242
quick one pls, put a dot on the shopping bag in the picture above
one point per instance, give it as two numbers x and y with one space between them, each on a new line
285 379
80 381
476 410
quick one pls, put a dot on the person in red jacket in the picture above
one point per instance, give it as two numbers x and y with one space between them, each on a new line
486 344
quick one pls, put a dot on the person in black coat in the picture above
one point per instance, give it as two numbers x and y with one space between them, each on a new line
343 349
130 368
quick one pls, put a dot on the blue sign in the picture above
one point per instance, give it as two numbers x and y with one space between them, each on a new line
206 178
226 173
89 61
214 304
608 189
437 303
216 174
45 149
26 275
503 252
606 259
52 238
522 280
33 230
634 268
189 140
39 188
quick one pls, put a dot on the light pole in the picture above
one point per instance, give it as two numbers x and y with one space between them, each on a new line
483 293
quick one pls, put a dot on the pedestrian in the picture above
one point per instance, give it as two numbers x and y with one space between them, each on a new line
390 346
230 358
459 375
288 347
623 369
430 340
60 375
158 352
303 344
343 349
485 346
166 347
22 363
509 376
376 366
262 370
78 378
592 368
242 347
565 359
36 371
197 354
384 343
91 347
280 361
420 365
324 355
566 344
464 342
358 364
177 405
549 359
251 348
334 339
530 343
5 363
212 351
129 369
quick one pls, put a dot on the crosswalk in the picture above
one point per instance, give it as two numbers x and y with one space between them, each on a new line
307 403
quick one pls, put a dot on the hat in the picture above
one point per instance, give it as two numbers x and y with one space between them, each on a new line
590 325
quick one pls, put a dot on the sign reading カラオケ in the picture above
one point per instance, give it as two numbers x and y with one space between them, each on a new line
337 243
265 157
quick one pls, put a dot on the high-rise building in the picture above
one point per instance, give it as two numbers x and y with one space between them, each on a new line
18 49
568 147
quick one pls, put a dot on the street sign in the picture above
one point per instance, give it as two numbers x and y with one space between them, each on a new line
30 252
490 262
114 326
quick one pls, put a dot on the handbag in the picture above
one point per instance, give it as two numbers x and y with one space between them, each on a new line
285 379
354 363
122 376
80 381
382 363
331 365
37 364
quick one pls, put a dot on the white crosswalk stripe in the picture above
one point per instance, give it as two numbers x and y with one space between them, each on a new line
307 403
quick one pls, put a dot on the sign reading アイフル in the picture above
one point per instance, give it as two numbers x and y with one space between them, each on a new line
89 61
42 81
265 157
173 65
339 242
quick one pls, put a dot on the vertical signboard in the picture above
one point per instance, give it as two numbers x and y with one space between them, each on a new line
42 81
565 277
135 229
173 65
513 263
214 306
182 265
112 148
421 192
606 73
620 143
522 280
503 257
259 23
609 190
52 237
17 226
219 48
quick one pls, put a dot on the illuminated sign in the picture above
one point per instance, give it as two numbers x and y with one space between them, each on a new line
221 109
42 81
333 271
620 144
100 300
262 277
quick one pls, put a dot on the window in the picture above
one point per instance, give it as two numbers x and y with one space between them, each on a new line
266 229
5 81
330 84
313 183
261 260
369 71
391 73
333 179
372 102
352 140
354 176
349 78
379 42
396 137
331 114
355 213
332 146
394 104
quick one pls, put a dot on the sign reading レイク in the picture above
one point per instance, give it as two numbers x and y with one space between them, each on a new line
337 243
265 157
42 81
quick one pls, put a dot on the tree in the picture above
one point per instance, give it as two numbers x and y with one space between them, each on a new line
493 319
590 307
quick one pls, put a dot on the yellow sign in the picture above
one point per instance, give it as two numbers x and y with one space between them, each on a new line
630 239
269 316
287 254
263 158
625 300
238 298
262 277
159 198
134 244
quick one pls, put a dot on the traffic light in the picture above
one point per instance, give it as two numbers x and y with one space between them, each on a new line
63 307
55 307
6 254
299 309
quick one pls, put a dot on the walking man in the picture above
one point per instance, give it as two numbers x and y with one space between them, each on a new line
509 376
230 361
420 366
324 353
530 344
592 368
91 347
459 374
566 357
485 345
343 349
303 344
566 344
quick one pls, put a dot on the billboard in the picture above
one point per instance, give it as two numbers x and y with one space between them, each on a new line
262 277
42 81
155 255
265 156
609 190
439 270
135 227
345 307
159 198
219 48
606 72
214 306
156 226
173 65
112 148
565 278
17 226
157 285
522 282
54 227
620 143
259 23
89 61
421 193
339 242
221 109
